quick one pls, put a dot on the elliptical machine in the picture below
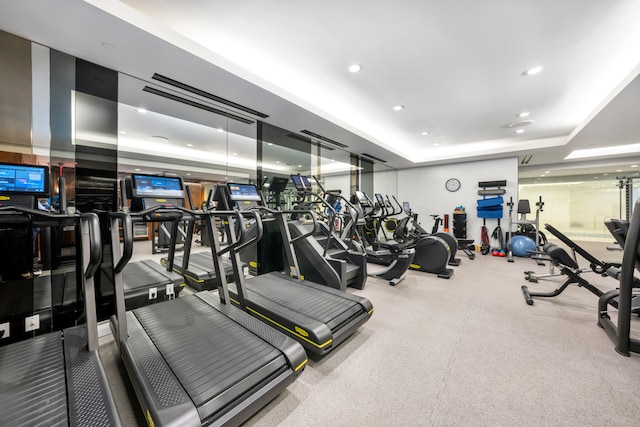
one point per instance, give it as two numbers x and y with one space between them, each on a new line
432 252
396 257
417 228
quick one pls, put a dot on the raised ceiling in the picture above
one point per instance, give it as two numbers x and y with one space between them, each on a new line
456 67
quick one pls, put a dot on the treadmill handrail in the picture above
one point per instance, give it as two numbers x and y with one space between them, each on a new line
95 244
127 234
242 241
314 218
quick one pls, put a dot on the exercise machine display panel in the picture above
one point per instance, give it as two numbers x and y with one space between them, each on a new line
297 181
157 186
243 192
406 208
24 179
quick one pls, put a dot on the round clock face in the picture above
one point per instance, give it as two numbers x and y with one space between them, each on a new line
453 184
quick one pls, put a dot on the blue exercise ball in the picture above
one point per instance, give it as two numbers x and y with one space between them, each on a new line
520 245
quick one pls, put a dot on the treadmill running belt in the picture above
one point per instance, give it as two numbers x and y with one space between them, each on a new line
323 306
32 389
215 359
204 261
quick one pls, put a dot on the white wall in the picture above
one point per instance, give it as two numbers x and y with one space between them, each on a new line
338 182
424 189
385 183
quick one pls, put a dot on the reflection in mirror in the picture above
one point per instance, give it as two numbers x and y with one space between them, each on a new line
165 131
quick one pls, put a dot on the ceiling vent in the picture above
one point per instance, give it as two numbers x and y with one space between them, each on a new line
184 86
524 160
378 159
323 138
196 104
309 141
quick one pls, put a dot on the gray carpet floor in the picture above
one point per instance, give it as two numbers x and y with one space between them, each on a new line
461 352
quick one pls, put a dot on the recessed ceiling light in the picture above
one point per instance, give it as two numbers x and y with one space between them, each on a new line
122 132
520 123
220 130
634 166
333 160
520 131
188 174
618 170
159 138
532 71
398 107
107 45
542 176
524 114
189 145
424 133
595 177
299 166
355 68
277 161
605 174
269 143
547 171
235 154
142 110
137 169
435 144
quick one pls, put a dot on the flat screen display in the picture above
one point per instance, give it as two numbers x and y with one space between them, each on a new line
24 179
405 207
361 197
297 181
157 186
305 181
278 184
243 192
380 199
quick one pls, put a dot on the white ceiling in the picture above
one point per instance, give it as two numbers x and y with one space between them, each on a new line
456 66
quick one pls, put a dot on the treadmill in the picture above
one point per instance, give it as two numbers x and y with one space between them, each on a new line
57 378
196 360
146 281
197 269
317 316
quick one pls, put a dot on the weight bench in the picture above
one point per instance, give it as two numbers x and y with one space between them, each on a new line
569 267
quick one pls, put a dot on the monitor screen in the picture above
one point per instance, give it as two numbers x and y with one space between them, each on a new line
405 207
157 186
24 179
278 184
361 197
380 199
297 181
243 192
305 181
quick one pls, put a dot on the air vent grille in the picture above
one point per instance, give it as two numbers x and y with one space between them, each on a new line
374 158
323 138
309 141
524 160
205 94
196 104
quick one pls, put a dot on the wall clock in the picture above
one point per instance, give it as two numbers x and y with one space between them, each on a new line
452 184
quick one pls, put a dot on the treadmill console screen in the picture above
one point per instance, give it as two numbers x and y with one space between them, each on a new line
405 207
380 200
306 182
297 181
24 179
243 192
157 186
